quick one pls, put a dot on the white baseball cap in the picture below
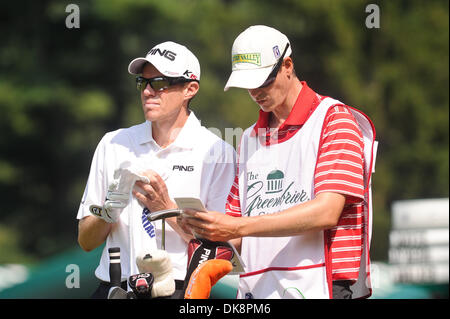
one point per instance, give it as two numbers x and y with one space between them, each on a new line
171 59
254 54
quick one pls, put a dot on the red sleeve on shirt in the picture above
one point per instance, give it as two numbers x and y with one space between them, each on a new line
233 206
340 157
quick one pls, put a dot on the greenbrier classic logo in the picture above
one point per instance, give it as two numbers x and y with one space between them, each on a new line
252 58
269 193
275 182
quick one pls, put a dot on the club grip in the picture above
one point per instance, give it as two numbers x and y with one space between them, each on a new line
115 271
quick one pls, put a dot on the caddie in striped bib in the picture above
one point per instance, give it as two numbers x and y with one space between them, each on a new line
300 207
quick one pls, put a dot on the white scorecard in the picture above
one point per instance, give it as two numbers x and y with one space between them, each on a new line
190 203
196 204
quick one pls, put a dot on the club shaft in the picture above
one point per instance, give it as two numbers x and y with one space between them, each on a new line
163 237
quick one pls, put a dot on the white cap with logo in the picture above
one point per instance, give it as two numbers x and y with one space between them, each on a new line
171 59
254 54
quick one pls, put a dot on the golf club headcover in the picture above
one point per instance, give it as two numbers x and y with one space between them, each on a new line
159 265
141 285
201 250
205 276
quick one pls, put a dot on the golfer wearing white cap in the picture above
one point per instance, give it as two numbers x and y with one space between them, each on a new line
303 187
171 151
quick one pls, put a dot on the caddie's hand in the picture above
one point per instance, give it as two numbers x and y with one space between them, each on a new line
153 195
212 225
181 222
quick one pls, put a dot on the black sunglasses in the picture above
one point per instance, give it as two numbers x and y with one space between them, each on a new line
273 75
159 83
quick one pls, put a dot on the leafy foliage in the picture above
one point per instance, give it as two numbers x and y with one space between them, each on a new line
61 89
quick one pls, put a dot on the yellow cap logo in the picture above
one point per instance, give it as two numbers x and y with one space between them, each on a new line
253 58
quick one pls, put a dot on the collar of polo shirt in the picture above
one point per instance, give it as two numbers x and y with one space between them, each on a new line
184 139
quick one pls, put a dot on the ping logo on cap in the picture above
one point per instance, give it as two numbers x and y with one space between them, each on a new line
252 58
165 53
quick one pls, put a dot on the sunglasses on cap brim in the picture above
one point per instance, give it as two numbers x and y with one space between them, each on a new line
273 75
159 83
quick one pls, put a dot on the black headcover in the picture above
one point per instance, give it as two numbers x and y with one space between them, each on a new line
141 285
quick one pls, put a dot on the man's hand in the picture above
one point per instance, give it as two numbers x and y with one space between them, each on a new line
114 204
119 193
212 225
154 195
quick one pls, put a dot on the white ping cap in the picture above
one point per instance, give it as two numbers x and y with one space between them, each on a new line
254 54
171 59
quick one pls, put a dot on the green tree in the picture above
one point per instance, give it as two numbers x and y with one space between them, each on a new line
61 89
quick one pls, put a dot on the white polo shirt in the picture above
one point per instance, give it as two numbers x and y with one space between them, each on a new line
197 164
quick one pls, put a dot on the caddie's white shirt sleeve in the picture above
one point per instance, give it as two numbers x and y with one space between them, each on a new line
95 190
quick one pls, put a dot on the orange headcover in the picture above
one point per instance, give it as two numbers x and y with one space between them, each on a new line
205 276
